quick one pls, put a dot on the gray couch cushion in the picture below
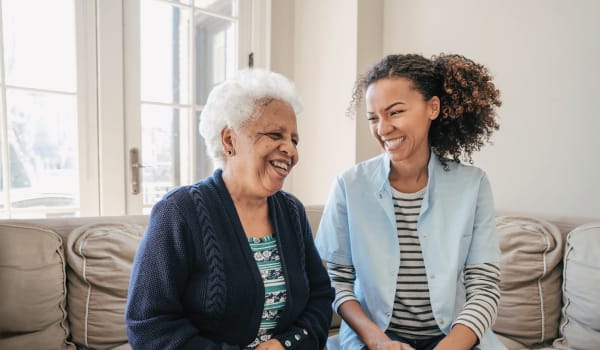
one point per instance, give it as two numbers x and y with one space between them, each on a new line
580 321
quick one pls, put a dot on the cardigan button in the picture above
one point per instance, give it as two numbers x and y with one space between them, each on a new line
288 343
297 336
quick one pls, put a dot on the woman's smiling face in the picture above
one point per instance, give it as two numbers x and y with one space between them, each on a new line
265 148
400 118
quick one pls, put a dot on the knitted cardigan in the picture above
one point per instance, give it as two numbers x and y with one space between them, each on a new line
195 284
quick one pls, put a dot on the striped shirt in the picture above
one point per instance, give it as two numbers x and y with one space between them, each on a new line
412 315
267 258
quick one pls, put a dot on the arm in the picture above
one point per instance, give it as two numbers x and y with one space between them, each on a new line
481 306
481 277
155 316
350 310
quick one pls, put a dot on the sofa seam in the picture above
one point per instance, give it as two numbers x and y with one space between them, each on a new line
540 291
566 300
89 290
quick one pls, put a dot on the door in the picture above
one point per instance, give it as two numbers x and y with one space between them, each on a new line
175 53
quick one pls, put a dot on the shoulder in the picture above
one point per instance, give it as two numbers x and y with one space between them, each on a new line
366 170
289 200
460 172
189 199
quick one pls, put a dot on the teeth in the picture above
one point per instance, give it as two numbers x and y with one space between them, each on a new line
394 142
280 164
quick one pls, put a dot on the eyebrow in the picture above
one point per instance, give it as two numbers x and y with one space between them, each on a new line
389 107
393 104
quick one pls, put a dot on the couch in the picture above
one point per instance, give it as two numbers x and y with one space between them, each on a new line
63 281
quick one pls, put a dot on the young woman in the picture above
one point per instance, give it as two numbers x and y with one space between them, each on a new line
409 236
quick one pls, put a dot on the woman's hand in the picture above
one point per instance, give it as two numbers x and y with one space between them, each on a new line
390 345
271 344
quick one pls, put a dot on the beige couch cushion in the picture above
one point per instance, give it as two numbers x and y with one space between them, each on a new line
100 258
33 290
530 287
580 322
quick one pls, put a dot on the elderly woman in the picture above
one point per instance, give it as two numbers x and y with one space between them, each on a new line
229 262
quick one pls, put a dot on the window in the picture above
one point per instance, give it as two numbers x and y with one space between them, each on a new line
85 84
39 117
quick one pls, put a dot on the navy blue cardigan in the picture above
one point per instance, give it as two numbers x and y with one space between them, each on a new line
195 284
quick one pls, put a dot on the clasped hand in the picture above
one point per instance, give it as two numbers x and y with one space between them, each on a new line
391 345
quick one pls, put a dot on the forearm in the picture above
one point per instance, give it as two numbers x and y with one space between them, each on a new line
353 314
460 337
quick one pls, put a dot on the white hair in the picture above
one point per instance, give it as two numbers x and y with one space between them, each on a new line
236 101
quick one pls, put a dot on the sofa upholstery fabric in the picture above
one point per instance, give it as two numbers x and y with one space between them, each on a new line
100 257
530 279
580 321
32 288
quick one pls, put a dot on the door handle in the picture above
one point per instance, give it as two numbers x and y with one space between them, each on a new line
135 165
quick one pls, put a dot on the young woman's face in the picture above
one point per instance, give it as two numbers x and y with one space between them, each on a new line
400 118
265 148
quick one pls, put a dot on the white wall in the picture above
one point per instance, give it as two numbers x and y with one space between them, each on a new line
324 71
545 56
323 46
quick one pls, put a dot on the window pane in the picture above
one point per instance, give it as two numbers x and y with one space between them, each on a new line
160 151
204 166
222 7
216 53
165 64
39 43
43 155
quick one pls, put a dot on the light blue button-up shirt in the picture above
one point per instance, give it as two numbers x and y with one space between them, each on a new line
456 227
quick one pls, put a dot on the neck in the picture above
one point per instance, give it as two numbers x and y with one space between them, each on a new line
410 175
242 198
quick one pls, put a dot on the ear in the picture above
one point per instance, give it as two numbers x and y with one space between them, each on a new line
227 139
434 107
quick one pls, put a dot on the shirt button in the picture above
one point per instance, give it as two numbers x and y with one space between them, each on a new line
380 196
442 322
432 276
424 235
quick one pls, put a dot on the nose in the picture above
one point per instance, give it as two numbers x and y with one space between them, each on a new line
384 126
289 148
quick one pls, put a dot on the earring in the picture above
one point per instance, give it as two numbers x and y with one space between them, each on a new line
229 152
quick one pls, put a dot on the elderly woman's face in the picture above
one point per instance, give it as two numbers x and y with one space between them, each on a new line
266 147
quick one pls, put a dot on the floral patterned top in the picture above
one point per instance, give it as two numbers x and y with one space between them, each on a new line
267 258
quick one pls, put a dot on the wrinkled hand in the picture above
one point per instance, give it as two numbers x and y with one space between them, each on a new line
391 345
271 344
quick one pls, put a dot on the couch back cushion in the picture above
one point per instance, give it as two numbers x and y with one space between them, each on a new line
33 290
100 257
530 286
580 319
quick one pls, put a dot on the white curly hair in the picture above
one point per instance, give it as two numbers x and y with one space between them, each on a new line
237 101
